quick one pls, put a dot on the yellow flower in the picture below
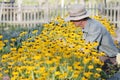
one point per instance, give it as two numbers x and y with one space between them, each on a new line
49 62
1 36
11 44
9 66
1 68
37 57
15 73
1 44
45 74
90 67
83 78
22 34
6 71
57 73
0 48
96 60
76 64
75 75
1 75
5 56
45 25
14 78
87 74
99 69
30 68
70 68
35 31
86 60
5 41
78 67
87 50
62 76
102 54
13 39
13 49
42 69
42 78
96 75
52 69
95 44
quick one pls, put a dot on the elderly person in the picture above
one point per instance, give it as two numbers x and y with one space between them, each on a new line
93 31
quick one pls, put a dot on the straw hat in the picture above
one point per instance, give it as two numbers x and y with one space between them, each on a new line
77 12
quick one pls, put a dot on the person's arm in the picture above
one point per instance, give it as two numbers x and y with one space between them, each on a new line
94 34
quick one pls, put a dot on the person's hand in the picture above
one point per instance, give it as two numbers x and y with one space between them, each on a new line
6 77
118 59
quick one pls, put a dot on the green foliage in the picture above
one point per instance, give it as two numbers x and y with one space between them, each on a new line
13 32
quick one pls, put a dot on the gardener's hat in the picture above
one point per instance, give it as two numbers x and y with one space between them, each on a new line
77 12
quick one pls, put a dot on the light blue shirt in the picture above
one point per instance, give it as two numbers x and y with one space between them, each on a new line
95 31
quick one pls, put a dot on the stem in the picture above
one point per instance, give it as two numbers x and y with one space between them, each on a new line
33 77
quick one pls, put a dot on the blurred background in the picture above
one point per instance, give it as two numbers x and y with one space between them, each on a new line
32 13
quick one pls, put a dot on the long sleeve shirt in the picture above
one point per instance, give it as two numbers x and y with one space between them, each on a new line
95 31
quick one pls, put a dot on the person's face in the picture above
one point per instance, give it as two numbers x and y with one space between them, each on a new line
78 23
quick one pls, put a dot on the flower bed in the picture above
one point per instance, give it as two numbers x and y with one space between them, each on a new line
58 53
13 36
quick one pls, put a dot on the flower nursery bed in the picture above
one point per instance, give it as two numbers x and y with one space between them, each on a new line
57 53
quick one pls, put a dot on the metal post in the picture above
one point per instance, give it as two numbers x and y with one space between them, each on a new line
62 8
1 9
19 15
82 1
